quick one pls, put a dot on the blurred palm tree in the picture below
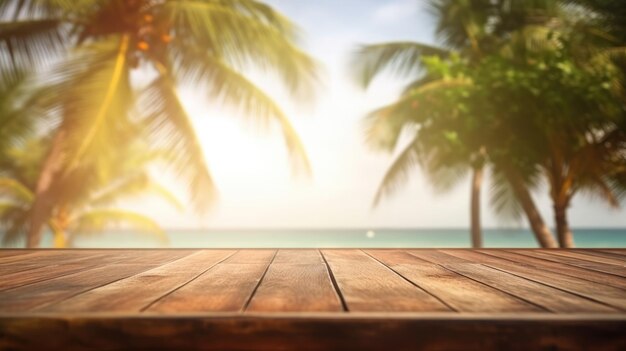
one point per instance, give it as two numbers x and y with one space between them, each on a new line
88 205
95 45
445 145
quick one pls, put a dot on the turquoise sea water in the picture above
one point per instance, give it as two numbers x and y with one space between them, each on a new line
329 238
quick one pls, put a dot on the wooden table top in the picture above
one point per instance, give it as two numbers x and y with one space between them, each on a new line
310 286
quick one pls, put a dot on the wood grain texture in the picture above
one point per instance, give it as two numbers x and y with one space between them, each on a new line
619 252
12 252
572 271
223 288
138 291
459 292
73 262
436 256
291 286
367 285
47 292
261 299
587 257
299 256
602 253
252 257
539 294
605 268
602 293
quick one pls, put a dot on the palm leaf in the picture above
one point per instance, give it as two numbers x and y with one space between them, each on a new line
98 220
402 58
14 221
47 8
242 33
31 42
444 165
14 189
137 184
115 77
502 198
170 128
232 88
398 173
94 95
385 125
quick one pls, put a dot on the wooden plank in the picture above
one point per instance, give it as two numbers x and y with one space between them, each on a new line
612 269
12 252
436 256
39 294
598 292
271 332
300 256
459 292
79 262
223 288
292 286
251 257
475 256
17 279
572 271
156 256
35 262
549 298
602 253
367 285
619 252
588 257
138 291
47 257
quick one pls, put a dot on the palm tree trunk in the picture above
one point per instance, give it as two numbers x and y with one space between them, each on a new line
44 199
563 231
540 229
477 179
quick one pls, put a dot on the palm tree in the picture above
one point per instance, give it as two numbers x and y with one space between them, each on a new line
460 25
96 44
84 207
464 27
582 148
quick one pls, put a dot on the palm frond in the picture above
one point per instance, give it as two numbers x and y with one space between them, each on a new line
98 220
170 128
242 33
31 42
385 125
503 199
398 173
234 89
13 221
14 189
401 58
444 166
137 184
16 9
18 112
94 94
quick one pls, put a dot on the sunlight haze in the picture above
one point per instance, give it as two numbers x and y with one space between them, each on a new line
256 185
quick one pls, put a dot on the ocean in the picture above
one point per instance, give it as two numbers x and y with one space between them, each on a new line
339 238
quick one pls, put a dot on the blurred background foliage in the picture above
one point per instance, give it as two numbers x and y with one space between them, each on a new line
531 91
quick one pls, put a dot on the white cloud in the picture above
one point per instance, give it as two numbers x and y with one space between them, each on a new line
396 10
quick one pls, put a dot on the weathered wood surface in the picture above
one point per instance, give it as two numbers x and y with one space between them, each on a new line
345 299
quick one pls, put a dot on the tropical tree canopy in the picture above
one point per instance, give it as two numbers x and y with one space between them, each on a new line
87 51
531 88
90 205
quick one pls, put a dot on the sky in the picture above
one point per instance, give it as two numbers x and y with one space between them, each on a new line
257 188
